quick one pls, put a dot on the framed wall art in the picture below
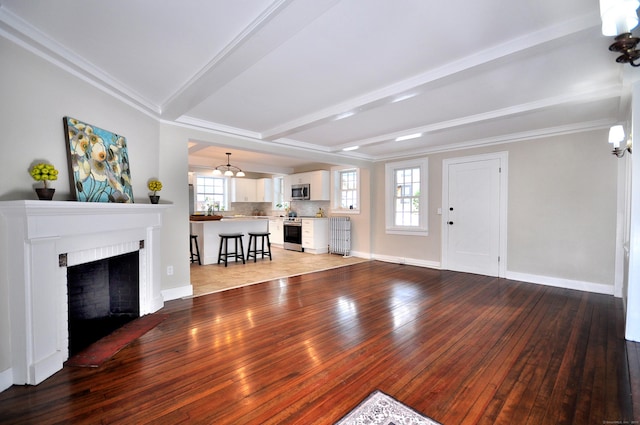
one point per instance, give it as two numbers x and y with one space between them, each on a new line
98 163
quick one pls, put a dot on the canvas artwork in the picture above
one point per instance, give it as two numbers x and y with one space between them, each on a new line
98 163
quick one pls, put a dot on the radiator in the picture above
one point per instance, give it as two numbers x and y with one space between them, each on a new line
340 235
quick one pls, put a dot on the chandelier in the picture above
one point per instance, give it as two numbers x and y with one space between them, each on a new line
228 169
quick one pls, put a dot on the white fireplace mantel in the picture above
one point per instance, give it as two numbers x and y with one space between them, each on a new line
36 237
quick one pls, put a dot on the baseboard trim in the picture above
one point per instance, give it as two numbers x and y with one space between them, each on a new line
598 288
408 261
177 293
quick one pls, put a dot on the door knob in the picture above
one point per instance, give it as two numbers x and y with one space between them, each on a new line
450 223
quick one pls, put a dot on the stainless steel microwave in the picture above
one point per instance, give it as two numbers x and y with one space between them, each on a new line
300 192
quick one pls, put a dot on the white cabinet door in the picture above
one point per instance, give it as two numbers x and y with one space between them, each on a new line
315 235
320 185
244 190
277 231
264 190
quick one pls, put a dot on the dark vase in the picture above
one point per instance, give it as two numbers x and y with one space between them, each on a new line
154 198
45 194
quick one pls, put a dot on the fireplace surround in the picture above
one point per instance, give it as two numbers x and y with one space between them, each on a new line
39 241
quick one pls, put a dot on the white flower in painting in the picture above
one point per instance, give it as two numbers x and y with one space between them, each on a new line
83 168
79 141
98 152
98 170
115 167
94 139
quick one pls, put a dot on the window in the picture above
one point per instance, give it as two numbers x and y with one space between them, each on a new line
211 192
346 193
406 194
278 194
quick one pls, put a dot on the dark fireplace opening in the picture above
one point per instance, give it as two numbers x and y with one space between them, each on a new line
103 295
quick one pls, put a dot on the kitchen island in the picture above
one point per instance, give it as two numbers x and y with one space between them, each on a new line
208 231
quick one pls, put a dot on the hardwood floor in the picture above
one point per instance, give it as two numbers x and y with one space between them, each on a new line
460 348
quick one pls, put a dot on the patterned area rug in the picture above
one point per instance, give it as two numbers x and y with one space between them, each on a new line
381 409
102 350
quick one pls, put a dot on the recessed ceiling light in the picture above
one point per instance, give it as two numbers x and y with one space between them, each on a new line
344 115
408 137
402 97
351 148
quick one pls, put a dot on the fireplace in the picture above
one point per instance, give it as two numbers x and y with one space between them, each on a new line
44 242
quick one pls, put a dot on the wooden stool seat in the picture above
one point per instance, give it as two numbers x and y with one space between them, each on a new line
195 256
224 242
253 237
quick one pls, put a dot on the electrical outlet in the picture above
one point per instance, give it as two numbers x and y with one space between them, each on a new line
169 270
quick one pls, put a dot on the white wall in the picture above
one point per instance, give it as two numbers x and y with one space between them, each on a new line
561 211
35 96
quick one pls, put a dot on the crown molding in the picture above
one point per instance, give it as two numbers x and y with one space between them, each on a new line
15 29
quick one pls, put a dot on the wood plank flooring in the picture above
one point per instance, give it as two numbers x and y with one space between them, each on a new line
461 348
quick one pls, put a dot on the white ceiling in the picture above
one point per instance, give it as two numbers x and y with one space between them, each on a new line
283 72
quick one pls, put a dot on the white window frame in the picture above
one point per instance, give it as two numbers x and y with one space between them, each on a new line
422 229
278 194
336 193
225 206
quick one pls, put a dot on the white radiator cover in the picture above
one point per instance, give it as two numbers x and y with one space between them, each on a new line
340 235
38 235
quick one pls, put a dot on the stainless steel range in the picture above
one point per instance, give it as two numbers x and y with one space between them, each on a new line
293 234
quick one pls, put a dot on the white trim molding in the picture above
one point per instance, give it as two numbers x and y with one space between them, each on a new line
598 288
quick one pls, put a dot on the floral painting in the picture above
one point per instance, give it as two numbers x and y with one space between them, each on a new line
98 163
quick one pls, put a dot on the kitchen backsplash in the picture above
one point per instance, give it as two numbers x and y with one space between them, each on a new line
301 208
309 208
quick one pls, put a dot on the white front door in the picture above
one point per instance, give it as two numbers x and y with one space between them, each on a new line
472 214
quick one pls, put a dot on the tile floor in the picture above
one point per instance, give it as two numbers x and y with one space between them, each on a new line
215 278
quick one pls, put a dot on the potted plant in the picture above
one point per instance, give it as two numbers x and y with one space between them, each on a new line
154 185
45 173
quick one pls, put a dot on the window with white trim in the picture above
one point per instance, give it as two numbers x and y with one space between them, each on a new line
346 190
278 194
211 192
406 197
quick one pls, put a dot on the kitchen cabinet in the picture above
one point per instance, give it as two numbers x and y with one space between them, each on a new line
264 190
251 190
244 190
315 235
277 231
318 181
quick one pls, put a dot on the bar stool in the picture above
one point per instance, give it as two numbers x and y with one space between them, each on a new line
194 256
253 236
224 240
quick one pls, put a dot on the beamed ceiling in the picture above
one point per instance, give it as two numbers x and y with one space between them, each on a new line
319 76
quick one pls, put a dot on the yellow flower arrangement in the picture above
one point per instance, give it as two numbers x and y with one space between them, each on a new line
154 186
44 173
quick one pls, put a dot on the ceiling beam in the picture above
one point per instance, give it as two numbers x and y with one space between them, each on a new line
278 23
421 82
